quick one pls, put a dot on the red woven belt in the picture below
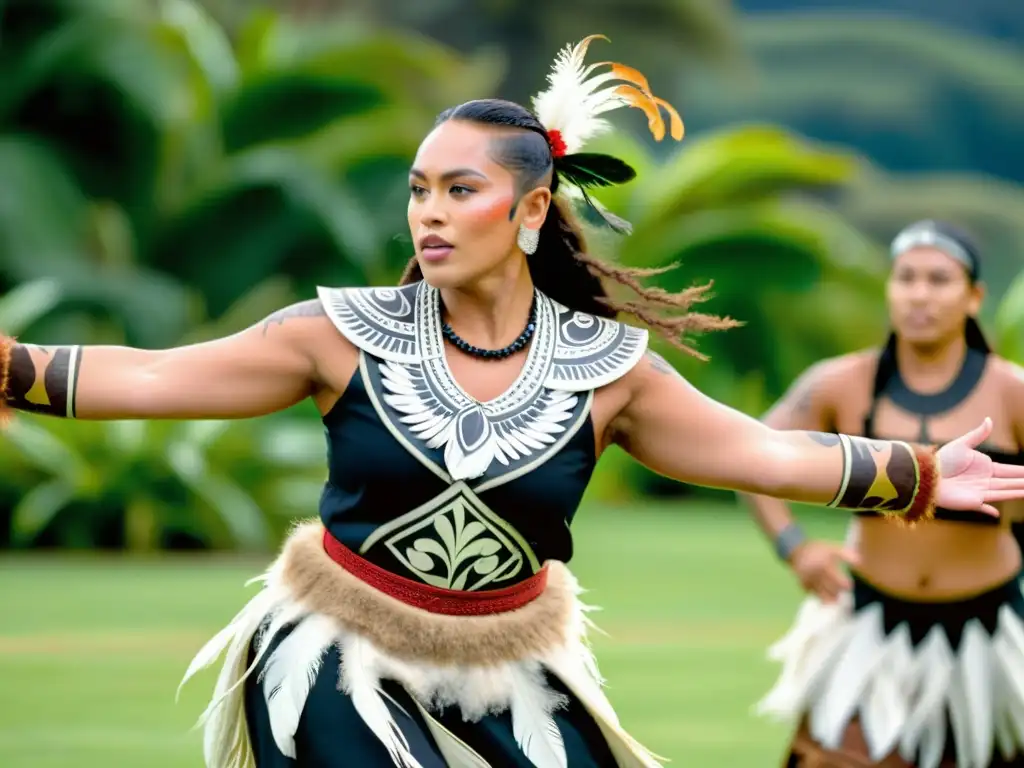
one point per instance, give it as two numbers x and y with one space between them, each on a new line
450 602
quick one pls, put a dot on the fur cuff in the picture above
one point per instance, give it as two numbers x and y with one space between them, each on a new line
6 348
922 507
413 634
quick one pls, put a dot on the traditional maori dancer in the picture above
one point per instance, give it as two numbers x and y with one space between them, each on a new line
918 660
428 618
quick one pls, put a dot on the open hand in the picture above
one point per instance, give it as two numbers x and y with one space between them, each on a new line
970 480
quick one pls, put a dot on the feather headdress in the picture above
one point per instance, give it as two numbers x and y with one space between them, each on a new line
571 110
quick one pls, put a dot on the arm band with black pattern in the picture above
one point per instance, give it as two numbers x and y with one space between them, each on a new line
895 478
45 384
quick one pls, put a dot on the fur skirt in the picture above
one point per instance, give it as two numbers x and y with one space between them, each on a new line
310 609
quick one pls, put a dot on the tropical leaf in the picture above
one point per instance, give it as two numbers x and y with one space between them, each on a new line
37 509
741 165
270 212
407 68
206 42
284 106
40 226
26 303
94 72
236 509
49 453
253 306
1009 322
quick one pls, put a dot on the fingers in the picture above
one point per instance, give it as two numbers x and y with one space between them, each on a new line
976 436
826 594
848 556
831 581
1005 494
1006 484
1007 470
988 509
830 585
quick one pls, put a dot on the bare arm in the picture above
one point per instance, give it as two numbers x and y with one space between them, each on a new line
677 431
267 367
806 405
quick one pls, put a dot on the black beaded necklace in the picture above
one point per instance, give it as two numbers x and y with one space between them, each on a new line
495 354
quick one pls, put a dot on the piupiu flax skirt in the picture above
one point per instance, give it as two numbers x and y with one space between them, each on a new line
322 669
893 682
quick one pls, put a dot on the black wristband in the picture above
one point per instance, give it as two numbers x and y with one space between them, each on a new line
789 538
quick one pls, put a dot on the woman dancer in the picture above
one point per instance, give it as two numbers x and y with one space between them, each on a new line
920 661
428 618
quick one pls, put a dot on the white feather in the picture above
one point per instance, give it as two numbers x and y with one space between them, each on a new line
535 730
360 679
274 623
250 616
290 673
573 101
226 736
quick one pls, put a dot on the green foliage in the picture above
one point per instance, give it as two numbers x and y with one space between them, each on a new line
166 182
176 184
148 484
1009 322
744 208
170 172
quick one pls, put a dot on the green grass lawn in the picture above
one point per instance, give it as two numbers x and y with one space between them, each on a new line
92 649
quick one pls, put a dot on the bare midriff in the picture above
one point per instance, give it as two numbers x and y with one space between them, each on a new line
935 561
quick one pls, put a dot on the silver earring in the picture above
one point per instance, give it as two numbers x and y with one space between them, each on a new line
528 239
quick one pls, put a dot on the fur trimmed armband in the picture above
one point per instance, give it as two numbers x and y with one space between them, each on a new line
897 479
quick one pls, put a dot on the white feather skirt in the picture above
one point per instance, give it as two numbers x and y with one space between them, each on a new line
838 664
330 608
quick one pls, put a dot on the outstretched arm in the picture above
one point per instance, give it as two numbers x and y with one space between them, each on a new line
809 404
677 431
806 405
267 367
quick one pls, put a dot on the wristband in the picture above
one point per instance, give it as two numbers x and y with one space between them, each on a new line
788 539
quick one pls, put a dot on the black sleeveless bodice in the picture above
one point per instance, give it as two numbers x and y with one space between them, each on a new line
372 478
435 486
890 384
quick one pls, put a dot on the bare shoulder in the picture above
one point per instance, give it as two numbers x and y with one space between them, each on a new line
1009 378
309 309
303 321
831 374
308 329
1008 373
652 370
819 395
842 372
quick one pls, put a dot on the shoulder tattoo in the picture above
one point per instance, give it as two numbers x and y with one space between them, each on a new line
660 364
310 308
801 398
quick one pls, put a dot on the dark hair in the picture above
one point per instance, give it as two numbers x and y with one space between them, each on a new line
561 267
968 246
